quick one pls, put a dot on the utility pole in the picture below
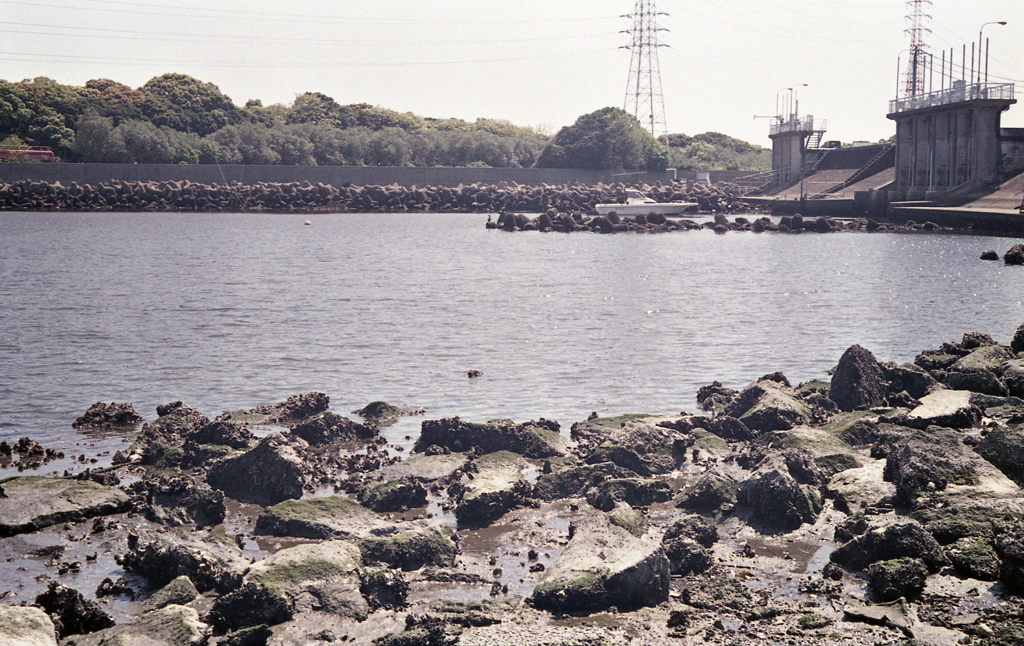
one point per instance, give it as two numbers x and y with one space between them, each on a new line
918 55
644 98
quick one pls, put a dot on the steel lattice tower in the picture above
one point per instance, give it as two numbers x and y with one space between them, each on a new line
644 98
918 54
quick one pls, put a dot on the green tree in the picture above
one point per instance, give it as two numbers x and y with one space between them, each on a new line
186 104
609 138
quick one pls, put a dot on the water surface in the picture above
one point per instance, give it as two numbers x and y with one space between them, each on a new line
229 311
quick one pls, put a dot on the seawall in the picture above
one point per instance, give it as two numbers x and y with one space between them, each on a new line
337 175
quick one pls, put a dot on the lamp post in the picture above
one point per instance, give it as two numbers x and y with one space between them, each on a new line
980 29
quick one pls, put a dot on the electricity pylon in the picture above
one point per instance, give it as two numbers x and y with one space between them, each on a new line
644 98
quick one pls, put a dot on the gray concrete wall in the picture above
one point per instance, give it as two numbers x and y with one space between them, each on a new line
942 147
334 175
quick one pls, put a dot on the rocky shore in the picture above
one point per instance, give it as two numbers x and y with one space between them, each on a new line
883 506
305 197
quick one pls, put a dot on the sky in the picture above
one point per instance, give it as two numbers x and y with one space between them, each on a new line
540 63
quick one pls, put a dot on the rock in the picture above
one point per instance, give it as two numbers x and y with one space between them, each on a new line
1015 255
948 408
72 614
248 606
988 357
891 539
902 577
293 410
408 545
632 520
102 414
894 614
634 492
210 564
777 502
686 544
575 481
977 380
321 577
252 636
989 255
975 558
26 626
224 433
768 406
930 461
1017 344
730 428
267 474
425 468
1013 377
178 500
1004 448
493 486
33 502
533 439
384 588
393 495
859 381
178 592
718 592
379 413
328 427
640 447
603 566
172 625
711 491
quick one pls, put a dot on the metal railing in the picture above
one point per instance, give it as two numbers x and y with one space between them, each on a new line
956 94
795 124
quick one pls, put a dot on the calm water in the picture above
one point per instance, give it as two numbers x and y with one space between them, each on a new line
230 311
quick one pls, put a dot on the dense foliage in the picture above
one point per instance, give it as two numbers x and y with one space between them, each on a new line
714 151
174 118
607 138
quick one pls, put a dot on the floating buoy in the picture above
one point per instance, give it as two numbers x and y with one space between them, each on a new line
307 223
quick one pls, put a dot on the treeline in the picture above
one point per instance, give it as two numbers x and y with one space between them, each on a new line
175 118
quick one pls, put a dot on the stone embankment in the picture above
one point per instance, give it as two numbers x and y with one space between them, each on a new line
305 197
881 506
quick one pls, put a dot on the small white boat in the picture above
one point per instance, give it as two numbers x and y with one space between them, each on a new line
639 204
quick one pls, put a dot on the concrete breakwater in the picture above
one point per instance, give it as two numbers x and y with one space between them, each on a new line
882 504
305 197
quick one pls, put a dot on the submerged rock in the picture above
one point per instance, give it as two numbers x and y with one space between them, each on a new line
603 565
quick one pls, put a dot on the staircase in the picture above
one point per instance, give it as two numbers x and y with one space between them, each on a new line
875 165
814 139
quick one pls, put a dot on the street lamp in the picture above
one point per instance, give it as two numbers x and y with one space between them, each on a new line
995 22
